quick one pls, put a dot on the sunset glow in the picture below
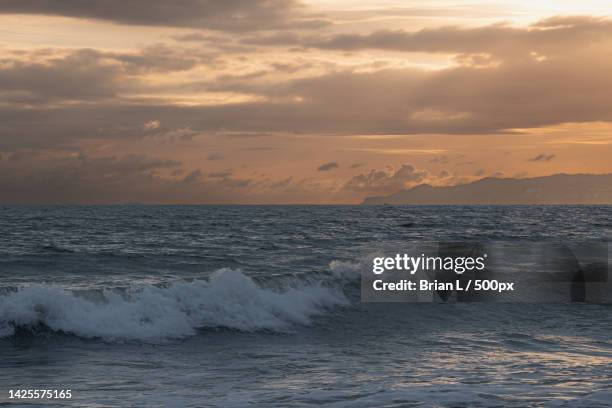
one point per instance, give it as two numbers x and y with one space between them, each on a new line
248 103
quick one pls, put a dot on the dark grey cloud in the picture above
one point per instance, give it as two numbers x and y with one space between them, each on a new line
85 94
160 58
79 76
553 35
328 166
542 158
233 183
285 38
460 100
81 178
455 100
214 157
193 177
282 184
220 174
386 180
200 37
226 15
440 160
406 101
90 75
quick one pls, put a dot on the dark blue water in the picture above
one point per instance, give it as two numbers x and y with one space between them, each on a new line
240 306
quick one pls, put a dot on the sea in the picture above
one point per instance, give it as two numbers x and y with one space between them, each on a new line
260 306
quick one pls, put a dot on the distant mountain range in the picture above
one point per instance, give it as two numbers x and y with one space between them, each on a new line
555 189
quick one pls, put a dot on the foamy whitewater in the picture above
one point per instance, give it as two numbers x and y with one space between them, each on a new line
182 306
229 299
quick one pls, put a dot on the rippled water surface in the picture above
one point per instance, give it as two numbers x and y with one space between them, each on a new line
259 306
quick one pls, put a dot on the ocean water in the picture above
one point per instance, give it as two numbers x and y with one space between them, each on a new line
234 306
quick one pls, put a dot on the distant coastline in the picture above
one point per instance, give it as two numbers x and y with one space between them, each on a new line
556 189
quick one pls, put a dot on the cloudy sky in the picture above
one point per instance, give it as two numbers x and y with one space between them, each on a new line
281 101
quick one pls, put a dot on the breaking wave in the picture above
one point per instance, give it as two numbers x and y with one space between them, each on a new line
228 299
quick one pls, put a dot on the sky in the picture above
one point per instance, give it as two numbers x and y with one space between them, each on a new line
286 102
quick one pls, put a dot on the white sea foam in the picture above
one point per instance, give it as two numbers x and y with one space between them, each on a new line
228 299
345 270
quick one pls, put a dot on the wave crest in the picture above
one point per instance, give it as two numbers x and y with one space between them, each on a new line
229 299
